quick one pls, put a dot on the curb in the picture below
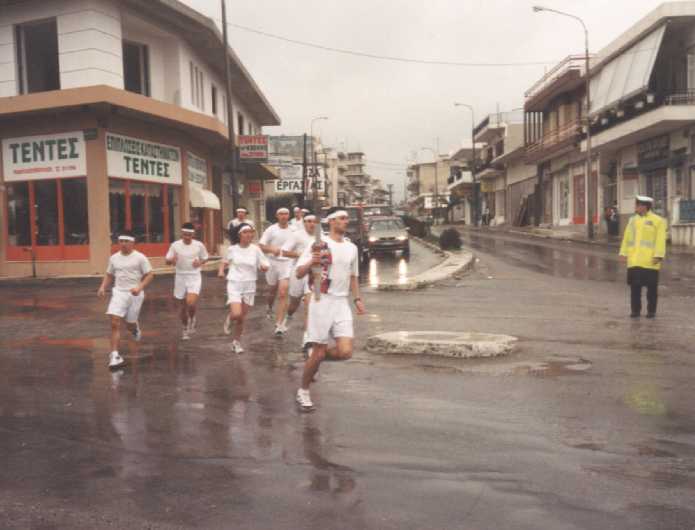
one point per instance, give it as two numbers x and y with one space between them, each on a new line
454 263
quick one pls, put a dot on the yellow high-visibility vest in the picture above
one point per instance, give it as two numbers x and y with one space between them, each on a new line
644 240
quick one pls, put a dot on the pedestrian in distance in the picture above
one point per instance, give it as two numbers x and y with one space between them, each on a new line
293 248
330 317
130 272
278 276
644 249
297 222
188 255
241 217
244 260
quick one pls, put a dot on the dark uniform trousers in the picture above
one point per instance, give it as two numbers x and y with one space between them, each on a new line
638 277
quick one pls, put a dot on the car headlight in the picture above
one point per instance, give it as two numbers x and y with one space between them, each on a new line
402 238
372 239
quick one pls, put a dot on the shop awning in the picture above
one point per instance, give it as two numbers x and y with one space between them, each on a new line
626 75
202 198
261 172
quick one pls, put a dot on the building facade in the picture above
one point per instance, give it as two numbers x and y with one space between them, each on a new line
113 116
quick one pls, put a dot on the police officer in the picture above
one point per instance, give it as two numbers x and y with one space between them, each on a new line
644 248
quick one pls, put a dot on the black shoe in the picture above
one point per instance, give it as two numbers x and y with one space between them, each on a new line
634 315
651 315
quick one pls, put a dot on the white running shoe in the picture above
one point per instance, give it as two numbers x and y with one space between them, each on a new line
279 330
227 328
185 334
137 332
237 347
270 315
304 400
192 325
115 360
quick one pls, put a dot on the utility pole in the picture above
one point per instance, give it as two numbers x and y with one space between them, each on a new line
232 164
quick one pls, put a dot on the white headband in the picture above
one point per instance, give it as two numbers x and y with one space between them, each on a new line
245 228
242 210
304 210
188 230
310 217
126 238
338 213
282 210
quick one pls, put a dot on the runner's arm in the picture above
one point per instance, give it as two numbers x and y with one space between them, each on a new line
220 270
170 258
308 258
105 283
355 290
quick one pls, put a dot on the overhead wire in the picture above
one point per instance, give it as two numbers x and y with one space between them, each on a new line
392 58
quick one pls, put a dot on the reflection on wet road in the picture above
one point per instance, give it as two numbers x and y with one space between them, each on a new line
572 260
390 267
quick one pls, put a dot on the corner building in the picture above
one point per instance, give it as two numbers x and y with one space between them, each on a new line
113 116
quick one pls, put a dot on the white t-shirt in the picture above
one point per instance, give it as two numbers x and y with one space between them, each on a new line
298 242
276 237
186 254
296 224
128 269
236 222
344 264
244 263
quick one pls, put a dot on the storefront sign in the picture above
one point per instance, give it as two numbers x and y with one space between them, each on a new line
487 186
253 148
44 157
197 169
131 158
295 186
653 149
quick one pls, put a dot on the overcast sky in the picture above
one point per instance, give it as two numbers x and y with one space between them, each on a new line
389 109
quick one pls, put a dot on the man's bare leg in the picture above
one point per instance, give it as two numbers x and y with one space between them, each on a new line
281 310
320 352
115 332
183 312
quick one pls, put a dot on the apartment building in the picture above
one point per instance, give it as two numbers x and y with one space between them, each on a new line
113 116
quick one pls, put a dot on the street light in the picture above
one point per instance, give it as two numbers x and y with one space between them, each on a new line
436 183
475 188
313 163
587 192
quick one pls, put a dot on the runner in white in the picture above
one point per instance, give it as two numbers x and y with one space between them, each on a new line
132 273
244 260
330 317
241 217
294 247
189 255
271 242
297 221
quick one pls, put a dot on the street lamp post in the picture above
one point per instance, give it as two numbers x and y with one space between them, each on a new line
588 194
313 164
436 183
473 164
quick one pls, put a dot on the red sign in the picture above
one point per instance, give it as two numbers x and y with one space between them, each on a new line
253 148
255 187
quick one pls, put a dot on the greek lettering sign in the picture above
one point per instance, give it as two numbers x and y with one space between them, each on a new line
253 148
653 149
197 169
295 186
131 158
44 157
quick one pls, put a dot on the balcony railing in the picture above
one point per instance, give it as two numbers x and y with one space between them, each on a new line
685 97
554 139
569 64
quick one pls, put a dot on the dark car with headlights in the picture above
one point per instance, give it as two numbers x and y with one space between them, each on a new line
388 234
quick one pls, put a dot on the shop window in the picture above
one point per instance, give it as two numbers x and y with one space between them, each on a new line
136 77
46 199
50 216
76 216
151 211
18 211
117 207
37 56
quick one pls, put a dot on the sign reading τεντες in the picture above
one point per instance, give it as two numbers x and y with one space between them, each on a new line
47 156
136 159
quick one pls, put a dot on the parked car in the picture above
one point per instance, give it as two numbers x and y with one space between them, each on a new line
358 229
388 234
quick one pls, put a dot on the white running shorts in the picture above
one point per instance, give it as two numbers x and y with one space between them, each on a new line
238 292
330 317
187 284
279 270
125 305
298 287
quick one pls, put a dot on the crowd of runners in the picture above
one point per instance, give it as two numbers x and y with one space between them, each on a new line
303 267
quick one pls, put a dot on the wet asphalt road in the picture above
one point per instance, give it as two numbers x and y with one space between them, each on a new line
590 425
